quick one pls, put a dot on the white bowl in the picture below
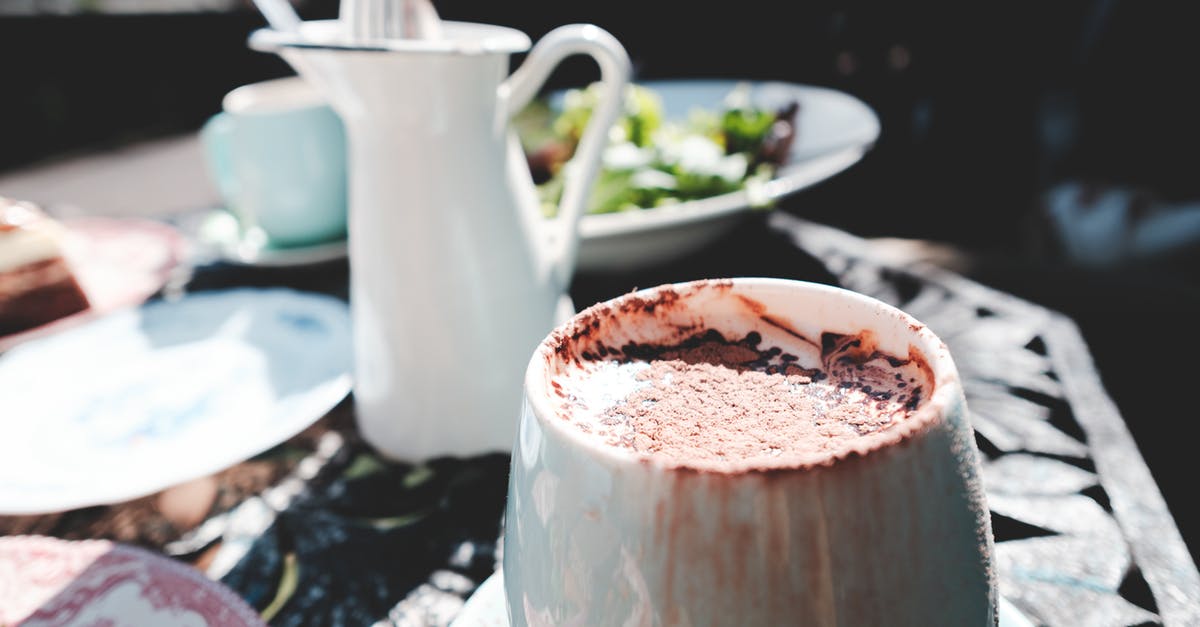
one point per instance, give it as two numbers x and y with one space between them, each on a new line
833 131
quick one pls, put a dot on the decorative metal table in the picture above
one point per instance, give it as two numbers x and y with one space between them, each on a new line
321 531
1083 535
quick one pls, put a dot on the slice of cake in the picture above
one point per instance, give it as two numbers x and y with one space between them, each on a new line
36 284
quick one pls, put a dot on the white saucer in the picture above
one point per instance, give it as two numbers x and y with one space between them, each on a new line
220 232
487 608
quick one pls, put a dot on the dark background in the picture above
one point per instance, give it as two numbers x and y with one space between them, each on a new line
983 110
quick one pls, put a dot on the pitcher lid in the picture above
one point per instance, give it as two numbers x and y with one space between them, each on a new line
457 38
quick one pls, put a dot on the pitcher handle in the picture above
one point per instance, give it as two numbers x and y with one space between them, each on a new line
524 84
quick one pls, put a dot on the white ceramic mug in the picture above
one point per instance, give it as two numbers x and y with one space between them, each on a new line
898 534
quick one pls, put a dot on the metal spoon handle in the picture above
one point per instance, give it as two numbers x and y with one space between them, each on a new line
280 14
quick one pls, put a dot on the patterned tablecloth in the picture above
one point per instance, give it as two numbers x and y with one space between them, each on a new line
320 531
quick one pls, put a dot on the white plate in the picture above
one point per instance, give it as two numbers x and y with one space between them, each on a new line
487 607
145 398
218 230
833 131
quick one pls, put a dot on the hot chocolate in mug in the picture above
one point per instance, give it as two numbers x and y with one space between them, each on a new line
746 452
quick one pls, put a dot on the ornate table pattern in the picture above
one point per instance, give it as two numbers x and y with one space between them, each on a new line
1083 534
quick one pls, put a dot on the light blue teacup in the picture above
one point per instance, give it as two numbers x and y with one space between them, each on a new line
277 154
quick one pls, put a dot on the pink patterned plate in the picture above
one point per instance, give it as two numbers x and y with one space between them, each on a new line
118 262
47 582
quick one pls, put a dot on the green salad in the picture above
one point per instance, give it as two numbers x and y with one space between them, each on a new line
652 162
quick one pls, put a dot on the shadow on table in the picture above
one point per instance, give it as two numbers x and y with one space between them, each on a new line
379 541
330 277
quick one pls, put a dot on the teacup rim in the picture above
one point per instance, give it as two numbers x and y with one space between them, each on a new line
946 395
311 100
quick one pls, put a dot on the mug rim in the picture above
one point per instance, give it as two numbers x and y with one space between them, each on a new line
946 395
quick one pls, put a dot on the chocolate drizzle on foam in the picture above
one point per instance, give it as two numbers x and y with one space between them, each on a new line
695 398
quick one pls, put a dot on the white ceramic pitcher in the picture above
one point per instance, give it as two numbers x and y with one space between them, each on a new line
455 273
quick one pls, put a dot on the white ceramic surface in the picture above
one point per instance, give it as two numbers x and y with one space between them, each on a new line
833 131
456 276
487 607
145 398
897 533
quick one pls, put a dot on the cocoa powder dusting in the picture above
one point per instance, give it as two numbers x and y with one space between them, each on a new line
709 399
